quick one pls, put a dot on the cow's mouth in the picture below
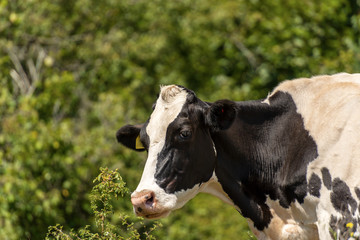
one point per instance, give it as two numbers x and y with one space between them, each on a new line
157 215
153 216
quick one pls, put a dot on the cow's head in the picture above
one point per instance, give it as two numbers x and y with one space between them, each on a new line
181 153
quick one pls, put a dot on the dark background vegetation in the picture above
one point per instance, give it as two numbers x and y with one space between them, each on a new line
73 72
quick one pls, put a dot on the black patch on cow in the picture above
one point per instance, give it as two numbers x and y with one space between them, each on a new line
314 185
343 202
221 115
144 137
188 156
341 197
250 207
326 176
266 149
357 192
127 136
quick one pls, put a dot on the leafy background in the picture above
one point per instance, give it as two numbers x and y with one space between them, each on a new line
73 72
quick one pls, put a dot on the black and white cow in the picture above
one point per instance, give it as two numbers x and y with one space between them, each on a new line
289 163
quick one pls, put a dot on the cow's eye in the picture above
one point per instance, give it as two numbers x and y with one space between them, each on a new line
185 134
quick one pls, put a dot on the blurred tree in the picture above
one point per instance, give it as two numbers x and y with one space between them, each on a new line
73 72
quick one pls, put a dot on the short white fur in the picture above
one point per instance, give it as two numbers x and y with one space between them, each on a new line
168 106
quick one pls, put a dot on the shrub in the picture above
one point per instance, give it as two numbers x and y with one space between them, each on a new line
109 186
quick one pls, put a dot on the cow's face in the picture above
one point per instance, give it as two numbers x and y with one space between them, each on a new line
181 154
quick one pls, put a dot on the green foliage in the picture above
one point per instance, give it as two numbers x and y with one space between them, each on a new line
73 72
100 199
110 185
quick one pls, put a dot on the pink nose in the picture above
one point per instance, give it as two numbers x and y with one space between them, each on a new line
143 201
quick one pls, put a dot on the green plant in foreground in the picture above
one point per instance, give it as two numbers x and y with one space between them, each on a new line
109 185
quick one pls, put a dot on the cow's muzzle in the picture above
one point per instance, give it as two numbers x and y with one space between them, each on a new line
146 205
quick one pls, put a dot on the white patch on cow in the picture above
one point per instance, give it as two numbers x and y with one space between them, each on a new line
266 100
168 106
330 107
296 231
295 222
214 188
184 196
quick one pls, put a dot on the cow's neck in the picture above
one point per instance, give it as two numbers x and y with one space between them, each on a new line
214 188
265 153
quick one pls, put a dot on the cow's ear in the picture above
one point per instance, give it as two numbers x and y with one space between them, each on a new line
220 115
129 136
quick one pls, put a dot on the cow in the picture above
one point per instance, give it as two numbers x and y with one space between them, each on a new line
289 163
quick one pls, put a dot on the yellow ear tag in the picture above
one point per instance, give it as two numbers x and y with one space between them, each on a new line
138 144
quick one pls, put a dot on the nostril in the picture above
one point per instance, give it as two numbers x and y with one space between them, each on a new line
150 200
143 201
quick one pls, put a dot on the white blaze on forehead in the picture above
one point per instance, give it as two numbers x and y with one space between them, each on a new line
168 106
